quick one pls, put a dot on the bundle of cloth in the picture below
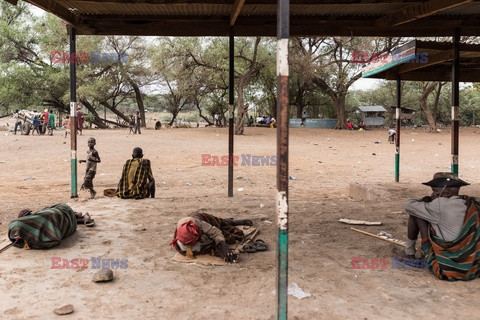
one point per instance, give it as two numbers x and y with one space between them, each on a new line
44 229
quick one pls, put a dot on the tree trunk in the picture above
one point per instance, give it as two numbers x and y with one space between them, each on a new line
118 113
139 98
202 116
340 106
96 118
423 105
435 105
240 109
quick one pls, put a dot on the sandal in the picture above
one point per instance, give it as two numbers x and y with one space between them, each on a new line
257 245
90 223
261 245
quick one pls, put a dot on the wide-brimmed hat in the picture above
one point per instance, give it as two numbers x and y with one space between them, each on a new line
445 179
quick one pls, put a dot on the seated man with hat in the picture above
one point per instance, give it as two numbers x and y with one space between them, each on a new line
450 229
203 233
137 180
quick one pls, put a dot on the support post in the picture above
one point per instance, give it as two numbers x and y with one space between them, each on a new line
283 25
455 100
73 110
397 129
231 109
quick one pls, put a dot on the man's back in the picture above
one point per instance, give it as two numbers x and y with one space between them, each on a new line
446 215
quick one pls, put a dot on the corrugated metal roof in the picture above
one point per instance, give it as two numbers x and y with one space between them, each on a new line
391 18
372 109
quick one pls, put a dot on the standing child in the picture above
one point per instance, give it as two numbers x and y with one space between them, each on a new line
92 159
131 124
66 125
36 123
51 123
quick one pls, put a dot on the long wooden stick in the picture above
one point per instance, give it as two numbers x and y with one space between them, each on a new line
7 246
375 236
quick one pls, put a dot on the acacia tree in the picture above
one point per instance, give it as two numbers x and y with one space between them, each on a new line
329 63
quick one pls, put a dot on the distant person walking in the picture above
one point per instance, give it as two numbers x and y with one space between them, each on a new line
36 124
18 122
304 117
80 119
45 121
51 123
138 122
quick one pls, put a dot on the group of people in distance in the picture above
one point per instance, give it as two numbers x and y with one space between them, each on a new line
135 123
269 121
44 122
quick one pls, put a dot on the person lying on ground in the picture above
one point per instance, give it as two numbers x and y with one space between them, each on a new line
46 228
137 180
449 225
203 233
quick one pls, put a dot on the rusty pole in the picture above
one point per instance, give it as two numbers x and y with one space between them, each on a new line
231 109
73 110
283 25
455 100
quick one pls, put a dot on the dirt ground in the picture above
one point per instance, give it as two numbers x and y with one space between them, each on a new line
339 174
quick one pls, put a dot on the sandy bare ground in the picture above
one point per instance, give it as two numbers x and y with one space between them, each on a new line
340 174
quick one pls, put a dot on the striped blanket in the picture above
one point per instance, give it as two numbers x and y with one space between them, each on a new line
45 228
230 232
459 259
138 189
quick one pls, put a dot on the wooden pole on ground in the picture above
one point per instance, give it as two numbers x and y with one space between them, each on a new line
375 236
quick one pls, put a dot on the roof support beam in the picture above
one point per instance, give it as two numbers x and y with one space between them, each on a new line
418 12
58 10
432 60
237 7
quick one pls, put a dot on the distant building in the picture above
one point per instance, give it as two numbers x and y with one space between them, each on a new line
406 115
373 115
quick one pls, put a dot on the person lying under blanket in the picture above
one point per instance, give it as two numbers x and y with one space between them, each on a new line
47 227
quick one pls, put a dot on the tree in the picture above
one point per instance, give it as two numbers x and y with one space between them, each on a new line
332 68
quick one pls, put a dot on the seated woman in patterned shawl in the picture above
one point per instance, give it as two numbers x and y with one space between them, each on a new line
137 180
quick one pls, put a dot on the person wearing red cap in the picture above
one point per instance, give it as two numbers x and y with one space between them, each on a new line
202 233
449 225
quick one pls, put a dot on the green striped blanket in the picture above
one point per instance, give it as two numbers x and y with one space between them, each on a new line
45 228
458 259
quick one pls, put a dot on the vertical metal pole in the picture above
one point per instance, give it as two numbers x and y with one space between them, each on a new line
455 100
283 25
231 99
73 110
397 129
